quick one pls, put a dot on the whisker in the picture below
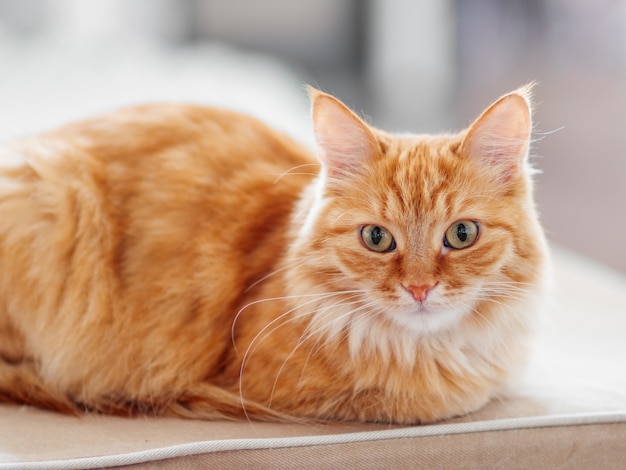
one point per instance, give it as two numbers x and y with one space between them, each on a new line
318 345
272 299
308 334
252 346
483 317
297 167
292 265
340 319
273 326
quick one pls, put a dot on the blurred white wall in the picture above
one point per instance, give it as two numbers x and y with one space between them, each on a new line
317 33
411 63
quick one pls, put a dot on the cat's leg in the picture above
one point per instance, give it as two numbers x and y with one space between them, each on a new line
20 383
19 380
12 345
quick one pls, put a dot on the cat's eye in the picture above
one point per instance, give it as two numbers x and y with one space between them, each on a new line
377 238
461 234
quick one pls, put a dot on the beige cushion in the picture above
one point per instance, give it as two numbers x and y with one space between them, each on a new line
569 411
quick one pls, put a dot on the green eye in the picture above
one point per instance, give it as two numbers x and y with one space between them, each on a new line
377 238
461 234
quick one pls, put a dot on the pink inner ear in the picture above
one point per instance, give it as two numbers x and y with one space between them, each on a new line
345 142
501 135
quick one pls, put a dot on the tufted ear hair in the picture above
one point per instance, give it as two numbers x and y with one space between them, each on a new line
500 137
344 141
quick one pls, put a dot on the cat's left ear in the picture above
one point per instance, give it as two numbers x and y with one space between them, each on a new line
345 143
500 137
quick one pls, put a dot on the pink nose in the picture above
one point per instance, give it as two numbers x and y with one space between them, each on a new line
420 292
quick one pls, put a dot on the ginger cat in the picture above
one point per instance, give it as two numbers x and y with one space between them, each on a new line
187 261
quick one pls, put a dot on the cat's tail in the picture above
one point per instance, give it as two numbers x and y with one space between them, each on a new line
207 401
20 383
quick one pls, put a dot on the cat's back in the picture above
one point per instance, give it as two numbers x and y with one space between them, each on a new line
162 156
138 142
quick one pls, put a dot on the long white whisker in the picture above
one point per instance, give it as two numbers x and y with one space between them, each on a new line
252 346
267 276
315 347
297 167
482 317
301 341
272 299
340 320
264 331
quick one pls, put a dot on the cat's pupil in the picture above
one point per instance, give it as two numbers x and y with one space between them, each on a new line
376 235
461 232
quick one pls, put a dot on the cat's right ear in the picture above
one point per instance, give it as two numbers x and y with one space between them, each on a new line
500 137
345 143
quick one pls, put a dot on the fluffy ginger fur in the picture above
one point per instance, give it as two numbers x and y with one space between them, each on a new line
189 261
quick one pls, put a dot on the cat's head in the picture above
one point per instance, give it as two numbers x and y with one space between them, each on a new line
420 233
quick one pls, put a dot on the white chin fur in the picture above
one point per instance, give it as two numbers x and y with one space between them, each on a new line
398 331
424 321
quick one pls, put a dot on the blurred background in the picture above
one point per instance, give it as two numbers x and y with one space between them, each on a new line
407 65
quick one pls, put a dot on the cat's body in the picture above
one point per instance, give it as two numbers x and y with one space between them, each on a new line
188 261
